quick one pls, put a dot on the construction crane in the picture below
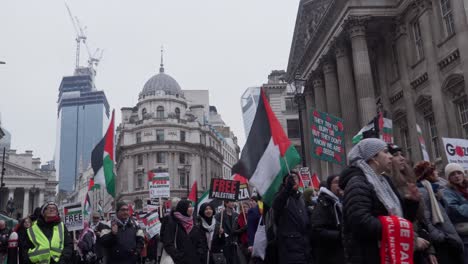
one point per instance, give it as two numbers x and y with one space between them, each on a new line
93 59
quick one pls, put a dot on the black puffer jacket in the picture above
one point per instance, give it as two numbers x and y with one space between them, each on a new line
48 230
182 247
362 230
292 227
326 231
126 245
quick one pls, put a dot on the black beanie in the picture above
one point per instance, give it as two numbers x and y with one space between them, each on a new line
183 206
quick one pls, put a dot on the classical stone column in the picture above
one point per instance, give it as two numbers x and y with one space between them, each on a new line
460 9
11 194
41 197
314 164
347 91
430 54
401 38
321 105
26 202
356 26
331 87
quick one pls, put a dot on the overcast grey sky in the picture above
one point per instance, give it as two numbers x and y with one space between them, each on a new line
219 45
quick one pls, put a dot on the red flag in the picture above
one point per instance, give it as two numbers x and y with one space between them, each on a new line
239 178
315 181
193 193
150 175
130 210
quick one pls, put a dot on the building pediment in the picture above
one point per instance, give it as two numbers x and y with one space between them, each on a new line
15 170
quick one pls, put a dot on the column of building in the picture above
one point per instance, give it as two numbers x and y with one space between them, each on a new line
314 164
347 92
321 105
461 29
26 202
356 26
401 41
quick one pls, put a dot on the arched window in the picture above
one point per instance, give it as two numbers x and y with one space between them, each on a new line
143 113
160 112
177 112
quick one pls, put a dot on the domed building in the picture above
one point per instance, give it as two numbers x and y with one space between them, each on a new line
167 131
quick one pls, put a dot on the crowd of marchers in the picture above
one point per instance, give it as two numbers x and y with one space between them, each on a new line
348 220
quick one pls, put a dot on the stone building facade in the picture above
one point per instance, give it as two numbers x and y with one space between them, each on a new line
166 131
408 58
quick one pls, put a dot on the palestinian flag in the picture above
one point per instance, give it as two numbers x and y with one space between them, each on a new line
385 128
102 161
87 206
378 127
268 155
193 192
72 209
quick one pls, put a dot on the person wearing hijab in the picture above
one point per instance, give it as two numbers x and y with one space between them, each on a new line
182 240
212 233
367 195
442 233
87 244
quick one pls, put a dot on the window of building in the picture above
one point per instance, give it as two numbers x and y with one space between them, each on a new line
140 160
160 157
143 113
160 112
293 128
447 17
139 183
182 178
159 134
138 137
182 158
291 105
418 41
431 125
177 112
182 136
463 113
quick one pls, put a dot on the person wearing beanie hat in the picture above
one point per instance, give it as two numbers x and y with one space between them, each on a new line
367 195
212 233
124 240
182 241
442 233
326 224
456 198
47 233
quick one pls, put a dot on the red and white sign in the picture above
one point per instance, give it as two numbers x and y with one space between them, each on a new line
457 151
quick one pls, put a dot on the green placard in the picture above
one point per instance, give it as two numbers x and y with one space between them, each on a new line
327 137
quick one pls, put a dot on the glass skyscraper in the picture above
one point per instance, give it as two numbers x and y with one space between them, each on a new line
82 114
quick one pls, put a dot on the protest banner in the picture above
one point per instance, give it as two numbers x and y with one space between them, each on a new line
73 216
152 205
153 224
159 185
327 137
224 189
457 151
244 193
305 176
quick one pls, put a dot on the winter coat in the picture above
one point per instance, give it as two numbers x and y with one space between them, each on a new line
362 230
445 238
48 230
87 244
182 247
457 205
292 224
99 249
4 235
326 231
217 242
126 245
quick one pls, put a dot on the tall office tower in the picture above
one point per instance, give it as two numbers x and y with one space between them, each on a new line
249 100
82 113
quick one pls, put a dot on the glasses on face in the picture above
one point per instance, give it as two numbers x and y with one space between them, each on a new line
51 209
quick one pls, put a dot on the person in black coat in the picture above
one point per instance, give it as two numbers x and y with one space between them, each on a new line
212 233
124 240
182 240
97 227
368 195
326 224
290 216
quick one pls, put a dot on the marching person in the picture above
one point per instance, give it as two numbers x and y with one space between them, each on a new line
97 226
229 225
456 197
442 233
292 222
212 232
87 245
48 238
124 240
4 235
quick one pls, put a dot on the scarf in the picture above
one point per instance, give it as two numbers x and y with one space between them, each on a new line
436 213
337 206
462 189
383 190
397 240
211 229
185 221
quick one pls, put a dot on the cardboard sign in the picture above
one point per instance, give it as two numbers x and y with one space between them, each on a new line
159 185
224 189
327 137
305 176
152 205
153 224
457 151
243 192
73 216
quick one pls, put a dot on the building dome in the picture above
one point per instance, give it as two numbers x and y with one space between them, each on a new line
161 82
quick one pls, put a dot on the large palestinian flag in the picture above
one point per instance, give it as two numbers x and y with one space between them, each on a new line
268 155
102 161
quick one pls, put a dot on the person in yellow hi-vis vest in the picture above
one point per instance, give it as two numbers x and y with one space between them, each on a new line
48 239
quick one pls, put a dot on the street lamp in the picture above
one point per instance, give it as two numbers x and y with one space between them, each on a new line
187 168
299 99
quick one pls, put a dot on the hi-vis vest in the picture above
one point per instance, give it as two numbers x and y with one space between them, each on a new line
45 250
